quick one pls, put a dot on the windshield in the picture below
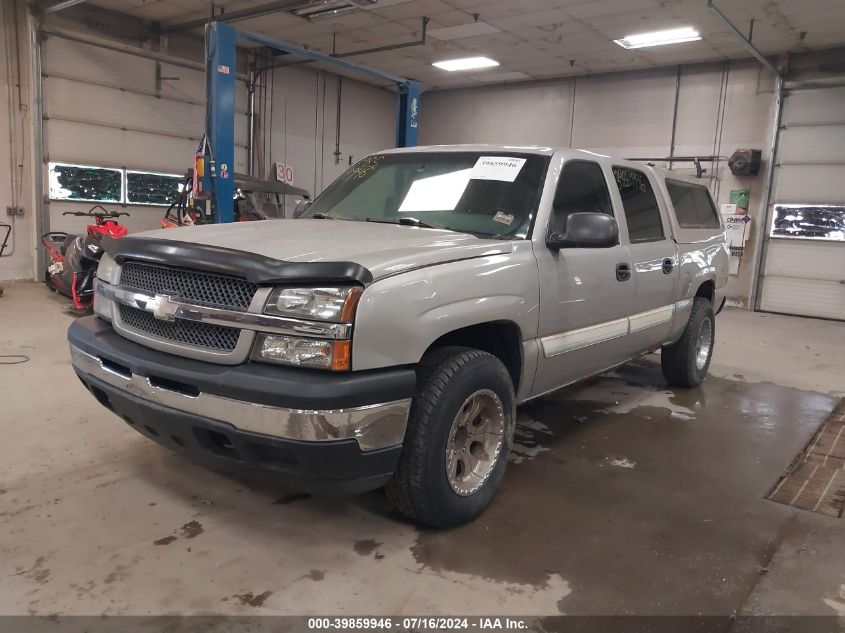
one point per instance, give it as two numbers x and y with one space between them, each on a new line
484 193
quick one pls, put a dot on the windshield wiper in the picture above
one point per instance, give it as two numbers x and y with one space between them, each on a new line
409 222
494 236
321 216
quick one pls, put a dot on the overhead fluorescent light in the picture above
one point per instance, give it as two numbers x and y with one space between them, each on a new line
318 9
466 63
325 9
659 38
472 29
380 4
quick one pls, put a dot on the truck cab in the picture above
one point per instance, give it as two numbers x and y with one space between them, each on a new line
386 336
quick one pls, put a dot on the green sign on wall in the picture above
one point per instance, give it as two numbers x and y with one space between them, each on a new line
740 197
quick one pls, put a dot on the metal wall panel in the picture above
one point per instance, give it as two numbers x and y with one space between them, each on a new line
73 93
804 297
304 123
800 183
812 144
803 259
67 99
144 151
814 106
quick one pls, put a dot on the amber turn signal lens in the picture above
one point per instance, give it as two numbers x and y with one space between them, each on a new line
341 355
347 313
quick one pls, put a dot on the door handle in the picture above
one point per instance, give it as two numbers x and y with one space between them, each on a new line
623 272
668 264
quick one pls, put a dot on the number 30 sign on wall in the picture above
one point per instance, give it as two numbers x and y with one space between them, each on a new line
284 173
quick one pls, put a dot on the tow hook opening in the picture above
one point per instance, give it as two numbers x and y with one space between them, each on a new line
217 442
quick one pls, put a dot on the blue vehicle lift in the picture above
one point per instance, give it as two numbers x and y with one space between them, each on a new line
221 43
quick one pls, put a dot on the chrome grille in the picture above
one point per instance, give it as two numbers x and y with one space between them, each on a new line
219 291
211 337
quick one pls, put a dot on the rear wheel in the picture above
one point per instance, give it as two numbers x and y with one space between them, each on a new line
686 362
458 439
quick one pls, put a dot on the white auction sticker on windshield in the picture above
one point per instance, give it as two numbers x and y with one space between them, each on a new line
504 218
503 168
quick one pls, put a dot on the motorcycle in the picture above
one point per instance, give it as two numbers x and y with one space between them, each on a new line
74 258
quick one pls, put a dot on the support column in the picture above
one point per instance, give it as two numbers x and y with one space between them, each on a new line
220 93
408 116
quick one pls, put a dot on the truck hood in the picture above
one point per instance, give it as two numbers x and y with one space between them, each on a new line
384 249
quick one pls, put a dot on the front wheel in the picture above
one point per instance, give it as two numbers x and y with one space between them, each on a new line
459 435
685 363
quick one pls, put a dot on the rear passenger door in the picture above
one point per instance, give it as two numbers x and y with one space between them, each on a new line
654 260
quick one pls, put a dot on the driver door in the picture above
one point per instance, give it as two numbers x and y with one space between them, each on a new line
585 293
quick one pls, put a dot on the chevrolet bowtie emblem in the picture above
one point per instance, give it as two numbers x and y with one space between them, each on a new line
163 307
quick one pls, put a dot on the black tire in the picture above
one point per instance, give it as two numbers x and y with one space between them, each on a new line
680 367
446 378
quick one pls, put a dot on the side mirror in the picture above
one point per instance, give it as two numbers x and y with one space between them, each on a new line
300 207
586 230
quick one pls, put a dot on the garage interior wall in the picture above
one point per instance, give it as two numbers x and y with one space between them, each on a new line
17 261
127 119
298 125
721 107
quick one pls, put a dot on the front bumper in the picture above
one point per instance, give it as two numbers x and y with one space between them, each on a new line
315 427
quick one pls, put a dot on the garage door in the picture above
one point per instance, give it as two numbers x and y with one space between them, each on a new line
126 115
804 268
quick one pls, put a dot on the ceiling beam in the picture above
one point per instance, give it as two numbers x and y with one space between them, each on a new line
232 16
745 41
389 47
61 6
111 45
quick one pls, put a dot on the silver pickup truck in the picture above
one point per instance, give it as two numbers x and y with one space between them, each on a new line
386 337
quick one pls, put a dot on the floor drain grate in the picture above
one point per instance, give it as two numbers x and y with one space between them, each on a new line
816 479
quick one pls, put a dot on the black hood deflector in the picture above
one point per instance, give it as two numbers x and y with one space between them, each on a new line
227 261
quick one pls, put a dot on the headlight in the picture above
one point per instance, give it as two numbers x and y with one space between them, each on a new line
303 352
106 268
321 304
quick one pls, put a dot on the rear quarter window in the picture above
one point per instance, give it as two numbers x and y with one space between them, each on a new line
693 205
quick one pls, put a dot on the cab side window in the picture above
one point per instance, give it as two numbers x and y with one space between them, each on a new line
582 188
641 211
693 205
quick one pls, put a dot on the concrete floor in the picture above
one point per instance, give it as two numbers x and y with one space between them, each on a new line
622 497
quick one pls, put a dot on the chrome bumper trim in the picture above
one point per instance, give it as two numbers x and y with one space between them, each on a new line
171 308
373 427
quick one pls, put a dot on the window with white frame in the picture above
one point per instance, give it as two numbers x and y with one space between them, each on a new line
89 183
809 222
85 183
143 187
